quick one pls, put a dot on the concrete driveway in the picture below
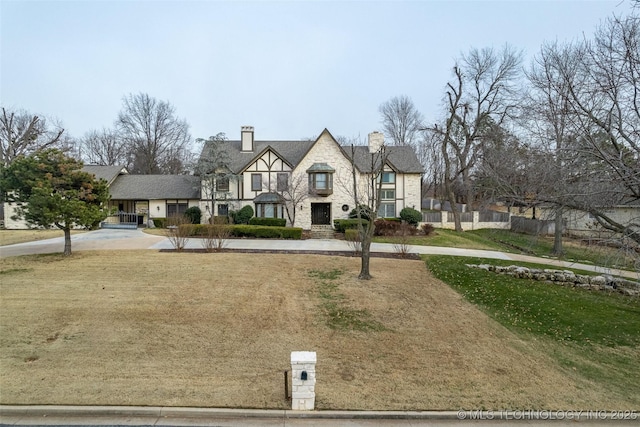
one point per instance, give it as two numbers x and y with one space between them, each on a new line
92 240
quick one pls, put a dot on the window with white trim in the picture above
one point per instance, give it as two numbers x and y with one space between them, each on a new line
269 210
387 194
388 177
387 210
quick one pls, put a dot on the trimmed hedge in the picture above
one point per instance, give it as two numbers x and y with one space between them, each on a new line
267 232
242 216
241 230
159 222
411 216
269 222
194 214
344 224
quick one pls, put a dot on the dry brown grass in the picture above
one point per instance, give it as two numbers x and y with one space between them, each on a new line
149 328
11 237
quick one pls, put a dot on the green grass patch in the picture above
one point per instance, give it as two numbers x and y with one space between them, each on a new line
592 333
562 313
447 238
540 246
15 270
335 306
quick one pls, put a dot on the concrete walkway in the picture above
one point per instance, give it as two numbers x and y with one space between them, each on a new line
106 239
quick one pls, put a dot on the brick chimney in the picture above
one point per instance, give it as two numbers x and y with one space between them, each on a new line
376 141
246 136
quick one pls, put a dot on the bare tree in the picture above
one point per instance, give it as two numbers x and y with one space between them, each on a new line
157 139
583 120
294 192
430 156
401 121
213 167
481 94
105 148
549 122
22 133
601 78
366 184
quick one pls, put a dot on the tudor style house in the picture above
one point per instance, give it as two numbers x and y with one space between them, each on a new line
308 183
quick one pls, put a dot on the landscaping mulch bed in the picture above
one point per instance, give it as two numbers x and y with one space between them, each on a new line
390 255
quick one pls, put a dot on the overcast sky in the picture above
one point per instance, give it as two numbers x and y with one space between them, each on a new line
288 68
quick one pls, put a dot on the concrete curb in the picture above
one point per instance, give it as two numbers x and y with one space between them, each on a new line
214 413
168 413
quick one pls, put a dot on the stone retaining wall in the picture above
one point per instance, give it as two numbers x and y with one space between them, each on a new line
567 278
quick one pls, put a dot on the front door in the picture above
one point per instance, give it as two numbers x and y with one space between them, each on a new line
321 213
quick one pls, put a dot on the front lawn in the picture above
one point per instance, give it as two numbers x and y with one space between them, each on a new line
194 329
592 333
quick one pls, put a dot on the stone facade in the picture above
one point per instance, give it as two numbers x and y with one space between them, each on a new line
303 380
325 150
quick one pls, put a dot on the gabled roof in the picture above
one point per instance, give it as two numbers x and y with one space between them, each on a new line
155 187
290 151
108 173
401 159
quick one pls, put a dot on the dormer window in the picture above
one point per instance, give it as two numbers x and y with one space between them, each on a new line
320 179
222 183
388 177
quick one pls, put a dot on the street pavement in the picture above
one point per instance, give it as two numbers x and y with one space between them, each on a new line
167 416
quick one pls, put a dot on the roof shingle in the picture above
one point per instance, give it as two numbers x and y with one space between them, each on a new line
403 159
155 187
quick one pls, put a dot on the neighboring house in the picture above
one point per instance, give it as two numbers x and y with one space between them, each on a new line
264 174
581 223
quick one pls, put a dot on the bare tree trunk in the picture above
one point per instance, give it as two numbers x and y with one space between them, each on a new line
557 236
67 241
365 256
449 189
468 186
